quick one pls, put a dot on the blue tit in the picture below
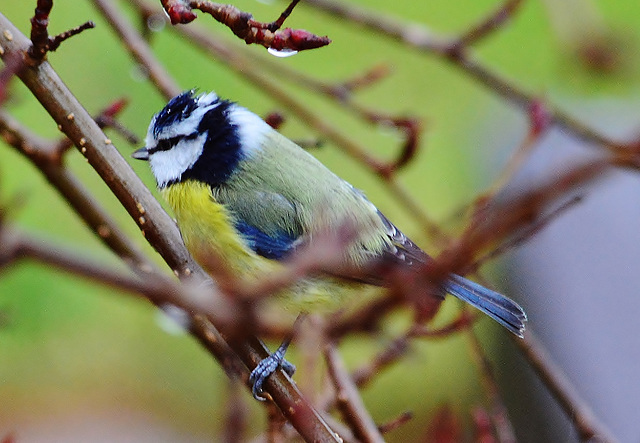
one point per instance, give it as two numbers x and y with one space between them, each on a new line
243 192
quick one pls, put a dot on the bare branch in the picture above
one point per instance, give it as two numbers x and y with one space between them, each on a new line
12 64
16 245
489 232
494 221
244 66
57 40
504 428
39 29
492 23
395 423
389 355
41 42
348 398
588 426
277 24
245 27
45 156
423 39
279 386
138 48
107 119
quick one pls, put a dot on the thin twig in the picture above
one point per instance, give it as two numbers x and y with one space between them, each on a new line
464 320
528 208
394 424
42 43
277 24
490 24
496 221
499 414
12 65
588 426
389 355
56 41
107 119
349 400
138 48
398 347
529 232
39 29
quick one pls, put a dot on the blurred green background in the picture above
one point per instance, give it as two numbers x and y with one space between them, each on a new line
79 361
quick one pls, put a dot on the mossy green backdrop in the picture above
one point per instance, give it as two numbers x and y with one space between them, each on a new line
71 351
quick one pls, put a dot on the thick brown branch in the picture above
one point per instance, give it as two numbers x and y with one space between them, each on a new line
304 418
83 131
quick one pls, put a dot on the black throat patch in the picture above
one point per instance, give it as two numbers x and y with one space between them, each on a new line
221 152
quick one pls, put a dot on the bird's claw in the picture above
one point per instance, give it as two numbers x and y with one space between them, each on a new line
265 368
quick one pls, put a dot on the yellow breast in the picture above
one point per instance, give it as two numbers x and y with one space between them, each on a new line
208 231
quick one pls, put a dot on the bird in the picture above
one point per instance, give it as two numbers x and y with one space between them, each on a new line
243 192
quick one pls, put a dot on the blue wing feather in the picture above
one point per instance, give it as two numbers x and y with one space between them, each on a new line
268 246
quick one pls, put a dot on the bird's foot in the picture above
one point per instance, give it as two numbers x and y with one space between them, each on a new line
268 366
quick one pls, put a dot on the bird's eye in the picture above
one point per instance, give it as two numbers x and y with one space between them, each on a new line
166 144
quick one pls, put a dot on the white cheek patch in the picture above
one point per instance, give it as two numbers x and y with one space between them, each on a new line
170 165
251 129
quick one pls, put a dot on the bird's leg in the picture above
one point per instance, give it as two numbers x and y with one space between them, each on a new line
269 365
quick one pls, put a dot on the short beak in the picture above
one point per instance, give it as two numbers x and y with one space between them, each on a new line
141 154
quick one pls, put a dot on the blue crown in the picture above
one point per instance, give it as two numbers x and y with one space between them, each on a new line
178 108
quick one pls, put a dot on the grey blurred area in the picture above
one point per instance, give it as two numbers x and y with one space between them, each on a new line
579 281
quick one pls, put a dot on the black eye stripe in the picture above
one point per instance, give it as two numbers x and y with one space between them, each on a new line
166 144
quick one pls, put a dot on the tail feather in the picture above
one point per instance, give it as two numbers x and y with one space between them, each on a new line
502 309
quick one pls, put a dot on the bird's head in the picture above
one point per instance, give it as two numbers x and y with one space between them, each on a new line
201 137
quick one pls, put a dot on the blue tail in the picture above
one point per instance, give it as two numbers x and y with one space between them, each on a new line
503 310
